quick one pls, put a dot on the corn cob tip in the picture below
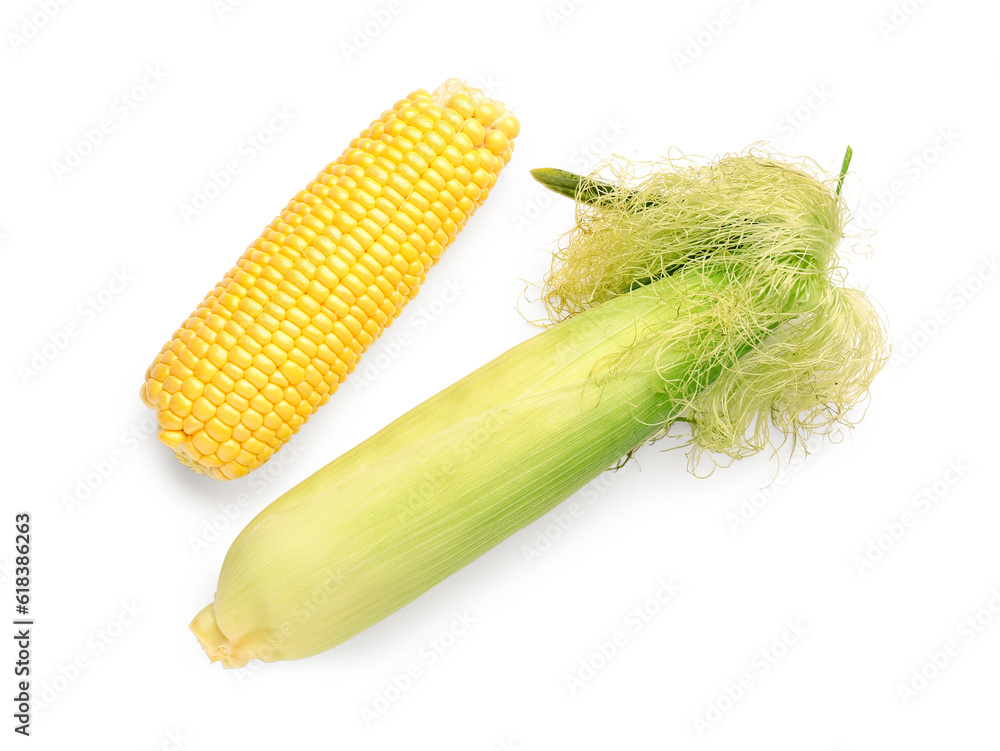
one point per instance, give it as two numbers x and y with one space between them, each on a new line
501 126
213 641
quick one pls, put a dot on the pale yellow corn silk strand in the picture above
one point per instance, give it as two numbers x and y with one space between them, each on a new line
748 221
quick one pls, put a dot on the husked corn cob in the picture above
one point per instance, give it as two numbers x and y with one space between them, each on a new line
289 322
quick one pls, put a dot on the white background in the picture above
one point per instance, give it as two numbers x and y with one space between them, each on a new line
911 86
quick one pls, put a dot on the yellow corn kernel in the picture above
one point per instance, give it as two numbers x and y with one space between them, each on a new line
509 125
172 438
474 130
497 142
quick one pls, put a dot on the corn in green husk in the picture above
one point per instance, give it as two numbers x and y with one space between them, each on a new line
702 295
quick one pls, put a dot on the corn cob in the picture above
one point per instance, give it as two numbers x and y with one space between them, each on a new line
709 297
274 339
